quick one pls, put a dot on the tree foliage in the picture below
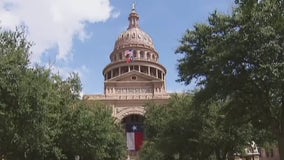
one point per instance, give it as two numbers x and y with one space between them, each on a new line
89 131
238 59
185 131
41 115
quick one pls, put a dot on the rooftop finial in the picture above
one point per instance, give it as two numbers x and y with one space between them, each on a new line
133 17
133 6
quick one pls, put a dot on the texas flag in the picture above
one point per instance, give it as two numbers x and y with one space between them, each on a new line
129 55
135 136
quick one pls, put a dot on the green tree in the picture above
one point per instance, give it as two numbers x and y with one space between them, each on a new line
186 131
150 151
32 101
39 111
90 132
18 100
238 59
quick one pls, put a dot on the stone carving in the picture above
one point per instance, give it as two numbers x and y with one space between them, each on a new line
133 90
122 112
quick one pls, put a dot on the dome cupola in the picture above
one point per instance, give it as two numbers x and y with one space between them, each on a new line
134 68
134 36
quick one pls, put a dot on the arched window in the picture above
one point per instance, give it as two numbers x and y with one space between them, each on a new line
120 56
142 54
148 56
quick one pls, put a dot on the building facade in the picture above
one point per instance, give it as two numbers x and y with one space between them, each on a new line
133 77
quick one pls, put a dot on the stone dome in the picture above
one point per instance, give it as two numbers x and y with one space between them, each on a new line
134 36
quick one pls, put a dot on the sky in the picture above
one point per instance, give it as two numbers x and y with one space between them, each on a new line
79 35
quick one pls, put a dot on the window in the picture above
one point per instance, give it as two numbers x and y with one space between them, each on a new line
136 68
148 56
152 71
120 56
144 69
115 72
134 53
267 154
108 75
142 54
159 74
124 69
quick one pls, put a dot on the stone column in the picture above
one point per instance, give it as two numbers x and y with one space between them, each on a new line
138 54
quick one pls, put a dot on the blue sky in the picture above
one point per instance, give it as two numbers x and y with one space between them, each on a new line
79 35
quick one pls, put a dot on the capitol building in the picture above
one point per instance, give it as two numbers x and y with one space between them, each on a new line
134 76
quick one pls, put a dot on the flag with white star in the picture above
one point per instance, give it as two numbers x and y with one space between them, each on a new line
129 55
135 136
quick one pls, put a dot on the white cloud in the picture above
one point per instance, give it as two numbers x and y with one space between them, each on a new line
54 23
65 71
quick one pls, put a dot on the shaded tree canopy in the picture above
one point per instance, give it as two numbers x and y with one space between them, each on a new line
89 131
185 131
41 115
239 59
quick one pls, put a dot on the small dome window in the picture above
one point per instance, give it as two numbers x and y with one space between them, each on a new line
148 56
120 56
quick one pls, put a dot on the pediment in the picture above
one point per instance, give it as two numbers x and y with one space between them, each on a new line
134 76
